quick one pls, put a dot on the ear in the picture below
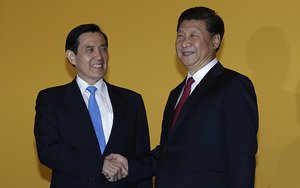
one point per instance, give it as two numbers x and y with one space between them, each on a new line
216 40
71 57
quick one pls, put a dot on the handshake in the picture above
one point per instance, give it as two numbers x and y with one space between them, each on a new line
115 167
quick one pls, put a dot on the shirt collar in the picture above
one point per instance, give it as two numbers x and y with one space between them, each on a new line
199 75
100 85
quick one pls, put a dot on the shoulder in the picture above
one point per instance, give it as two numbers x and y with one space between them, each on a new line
55 91
57 88
225 75
234 77
237 84
121 91
124 97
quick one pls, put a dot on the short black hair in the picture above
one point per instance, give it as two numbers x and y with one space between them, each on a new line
72 41
214 23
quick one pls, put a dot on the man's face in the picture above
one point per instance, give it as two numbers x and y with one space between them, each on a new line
91 60
194 45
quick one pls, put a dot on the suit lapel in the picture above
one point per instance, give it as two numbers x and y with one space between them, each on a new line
74 100
172 103
206 83
119 111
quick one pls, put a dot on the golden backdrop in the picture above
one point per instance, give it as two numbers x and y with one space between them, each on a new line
261 40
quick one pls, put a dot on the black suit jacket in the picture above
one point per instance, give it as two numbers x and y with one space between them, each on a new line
213 144
66 141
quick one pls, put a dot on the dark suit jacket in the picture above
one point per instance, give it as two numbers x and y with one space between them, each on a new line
214 141
66 141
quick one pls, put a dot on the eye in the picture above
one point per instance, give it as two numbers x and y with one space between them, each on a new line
90 50
180 36
103 48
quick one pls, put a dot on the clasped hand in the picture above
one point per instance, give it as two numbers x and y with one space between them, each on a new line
115 167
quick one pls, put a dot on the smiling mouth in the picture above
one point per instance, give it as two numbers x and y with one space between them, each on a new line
187 53
97 66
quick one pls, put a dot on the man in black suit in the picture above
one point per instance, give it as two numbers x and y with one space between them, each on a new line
66 136
211 143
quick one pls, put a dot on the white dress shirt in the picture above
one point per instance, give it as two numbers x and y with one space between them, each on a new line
198 76
103 101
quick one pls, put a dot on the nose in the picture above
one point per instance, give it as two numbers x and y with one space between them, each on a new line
186 42
98 54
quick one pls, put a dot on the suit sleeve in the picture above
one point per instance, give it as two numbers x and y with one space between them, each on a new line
241 124
144 166
142 139
54 152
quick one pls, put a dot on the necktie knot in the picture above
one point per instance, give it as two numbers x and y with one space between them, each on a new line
91 89
189 82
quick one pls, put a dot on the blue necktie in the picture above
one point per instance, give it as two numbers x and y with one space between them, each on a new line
96 118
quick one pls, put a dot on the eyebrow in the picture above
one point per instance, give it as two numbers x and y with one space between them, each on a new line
92 46
104 45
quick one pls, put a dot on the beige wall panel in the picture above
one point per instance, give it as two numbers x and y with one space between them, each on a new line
261 40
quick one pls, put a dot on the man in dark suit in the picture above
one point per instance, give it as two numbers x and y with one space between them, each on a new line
211 141
69 141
